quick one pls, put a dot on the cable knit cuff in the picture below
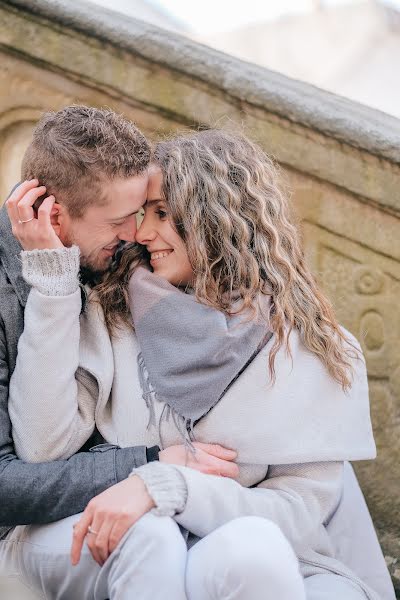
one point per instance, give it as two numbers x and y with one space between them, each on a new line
166 485
52 272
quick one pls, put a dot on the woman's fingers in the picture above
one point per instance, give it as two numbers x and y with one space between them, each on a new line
98 540
123 504
118 531
79 534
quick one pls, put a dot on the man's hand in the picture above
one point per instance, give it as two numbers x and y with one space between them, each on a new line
110 515
212 459
33 232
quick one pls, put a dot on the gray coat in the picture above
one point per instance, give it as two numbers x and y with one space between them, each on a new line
43 492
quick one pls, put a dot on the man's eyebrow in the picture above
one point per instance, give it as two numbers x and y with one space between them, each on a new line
125 216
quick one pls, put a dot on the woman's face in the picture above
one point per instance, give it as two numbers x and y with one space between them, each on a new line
168 255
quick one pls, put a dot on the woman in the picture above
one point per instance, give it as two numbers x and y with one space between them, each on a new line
250 357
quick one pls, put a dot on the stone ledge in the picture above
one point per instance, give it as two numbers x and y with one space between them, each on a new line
321 134
302 103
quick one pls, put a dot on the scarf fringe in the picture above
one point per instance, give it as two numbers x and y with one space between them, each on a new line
183 425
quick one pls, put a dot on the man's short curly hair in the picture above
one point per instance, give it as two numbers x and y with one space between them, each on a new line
74 151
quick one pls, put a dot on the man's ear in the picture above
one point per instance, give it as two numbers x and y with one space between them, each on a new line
56 217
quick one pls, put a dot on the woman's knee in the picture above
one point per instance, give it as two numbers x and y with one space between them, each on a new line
247 554
155 531
257 543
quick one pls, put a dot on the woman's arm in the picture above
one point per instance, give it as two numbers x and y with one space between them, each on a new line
298 498
51 403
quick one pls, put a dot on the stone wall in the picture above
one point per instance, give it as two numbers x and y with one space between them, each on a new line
342 160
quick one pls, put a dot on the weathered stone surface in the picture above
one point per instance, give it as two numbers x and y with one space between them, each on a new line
193 84
342 160
354 250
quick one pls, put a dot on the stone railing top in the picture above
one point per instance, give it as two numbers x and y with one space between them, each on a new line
183 83
347 121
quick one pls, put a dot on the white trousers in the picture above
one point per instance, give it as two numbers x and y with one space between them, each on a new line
246 559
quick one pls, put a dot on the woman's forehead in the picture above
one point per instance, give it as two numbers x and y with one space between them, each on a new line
154 185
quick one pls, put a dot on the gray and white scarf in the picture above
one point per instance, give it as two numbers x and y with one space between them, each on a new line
190 353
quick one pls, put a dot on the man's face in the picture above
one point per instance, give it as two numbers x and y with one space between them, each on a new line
101 228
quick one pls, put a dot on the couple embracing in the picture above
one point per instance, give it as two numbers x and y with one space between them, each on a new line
178 401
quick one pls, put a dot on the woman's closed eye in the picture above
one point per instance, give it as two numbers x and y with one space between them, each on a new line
161 213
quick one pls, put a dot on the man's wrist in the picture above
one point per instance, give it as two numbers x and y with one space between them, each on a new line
128 458
52 272
152 453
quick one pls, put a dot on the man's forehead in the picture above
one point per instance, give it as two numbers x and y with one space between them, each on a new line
134 188
117 205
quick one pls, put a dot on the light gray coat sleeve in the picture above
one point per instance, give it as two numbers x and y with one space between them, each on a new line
298 498
51 401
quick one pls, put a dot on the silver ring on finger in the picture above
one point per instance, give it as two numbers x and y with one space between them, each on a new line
92 531
27 220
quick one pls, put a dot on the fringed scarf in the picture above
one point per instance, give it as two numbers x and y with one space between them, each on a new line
190 353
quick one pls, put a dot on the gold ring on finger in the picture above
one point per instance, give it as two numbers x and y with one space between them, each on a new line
27 220
92 531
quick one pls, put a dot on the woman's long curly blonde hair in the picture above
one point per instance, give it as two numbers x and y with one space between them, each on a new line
226 202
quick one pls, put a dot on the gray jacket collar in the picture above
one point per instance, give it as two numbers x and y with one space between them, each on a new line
10 250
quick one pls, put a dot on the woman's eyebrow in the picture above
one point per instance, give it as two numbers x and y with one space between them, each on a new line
153 201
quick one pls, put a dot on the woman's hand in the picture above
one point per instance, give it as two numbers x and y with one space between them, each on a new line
110 515
33 231
114 511
212 459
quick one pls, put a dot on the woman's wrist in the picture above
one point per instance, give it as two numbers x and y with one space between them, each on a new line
52 272
166 486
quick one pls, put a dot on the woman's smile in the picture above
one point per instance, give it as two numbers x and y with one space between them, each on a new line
157 255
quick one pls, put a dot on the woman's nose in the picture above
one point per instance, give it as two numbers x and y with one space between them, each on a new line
145 233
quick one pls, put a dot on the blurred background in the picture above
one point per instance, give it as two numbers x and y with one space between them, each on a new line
349 47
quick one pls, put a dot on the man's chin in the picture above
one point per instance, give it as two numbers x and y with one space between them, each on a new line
93 274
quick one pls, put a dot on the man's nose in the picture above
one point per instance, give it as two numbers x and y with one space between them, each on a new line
127 231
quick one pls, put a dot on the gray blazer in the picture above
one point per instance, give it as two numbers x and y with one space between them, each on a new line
43 492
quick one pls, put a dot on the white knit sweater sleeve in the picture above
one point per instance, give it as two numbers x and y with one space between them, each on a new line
298 498
51 402
165 485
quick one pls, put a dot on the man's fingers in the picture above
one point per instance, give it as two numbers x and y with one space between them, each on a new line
216 450
45 211
15 204
225 468
21 190
25 205
80 532
16 196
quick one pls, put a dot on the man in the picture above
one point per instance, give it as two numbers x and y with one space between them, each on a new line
94 166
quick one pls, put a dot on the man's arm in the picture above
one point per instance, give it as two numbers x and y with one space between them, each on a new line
33 493
45 492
